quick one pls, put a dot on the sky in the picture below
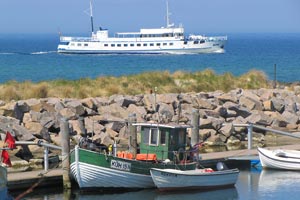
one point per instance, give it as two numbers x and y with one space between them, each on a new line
197 16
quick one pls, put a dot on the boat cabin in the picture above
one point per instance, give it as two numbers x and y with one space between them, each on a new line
163 140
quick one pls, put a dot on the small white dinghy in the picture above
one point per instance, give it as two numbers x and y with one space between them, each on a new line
204 179
279 159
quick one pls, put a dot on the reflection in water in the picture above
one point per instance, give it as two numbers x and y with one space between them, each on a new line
279 183
226 194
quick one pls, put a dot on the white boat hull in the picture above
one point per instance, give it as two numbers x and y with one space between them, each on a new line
91 176
169 179
178 48
279 159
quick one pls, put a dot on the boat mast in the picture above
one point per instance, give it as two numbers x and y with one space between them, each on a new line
168 16
91 12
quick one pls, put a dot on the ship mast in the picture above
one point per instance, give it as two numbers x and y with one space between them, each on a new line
168 16
91 12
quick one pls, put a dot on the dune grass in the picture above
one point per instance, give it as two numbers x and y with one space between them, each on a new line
166 82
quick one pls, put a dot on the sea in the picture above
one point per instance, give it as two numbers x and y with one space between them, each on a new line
33 57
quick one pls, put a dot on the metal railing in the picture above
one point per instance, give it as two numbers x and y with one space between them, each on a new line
46 149
250 130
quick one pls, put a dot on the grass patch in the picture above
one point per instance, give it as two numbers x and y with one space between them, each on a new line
178 82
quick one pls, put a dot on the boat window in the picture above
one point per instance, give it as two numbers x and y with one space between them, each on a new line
106 45
138 45
145 44
165 44
72 44
163 137
196 42
151 44
157 44
202 41
132 45
112 45
86 45
146 135
125 45
119 45
181 137
171 44
153 136
185 42
79 44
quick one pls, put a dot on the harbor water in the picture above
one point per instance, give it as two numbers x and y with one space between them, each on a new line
253 183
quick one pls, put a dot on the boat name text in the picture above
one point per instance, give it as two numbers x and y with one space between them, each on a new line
124 166
168 174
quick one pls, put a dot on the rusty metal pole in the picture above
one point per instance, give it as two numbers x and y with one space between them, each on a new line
65 143
132 134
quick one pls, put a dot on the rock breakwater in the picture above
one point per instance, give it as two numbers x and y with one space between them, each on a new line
104 120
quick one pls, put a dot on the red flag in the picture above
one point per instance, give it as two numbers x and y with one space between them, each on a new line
5 158
10 140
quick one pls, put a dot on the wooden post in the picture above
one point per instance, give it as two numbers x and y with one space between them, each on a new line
81 126
275 77
132 134
195 129
65 143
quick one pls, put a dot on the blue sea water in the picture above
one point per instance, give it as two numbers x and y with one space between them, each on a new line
34 58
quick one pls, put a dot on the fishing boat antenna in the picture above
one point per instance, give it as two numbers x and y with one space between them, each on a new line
91 12
168 16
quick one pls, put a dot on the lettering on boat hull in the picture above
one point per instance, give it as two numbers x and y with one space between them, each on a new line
124 166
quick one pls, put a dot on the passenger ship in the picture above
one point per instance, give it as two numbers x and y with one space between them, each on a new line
165 40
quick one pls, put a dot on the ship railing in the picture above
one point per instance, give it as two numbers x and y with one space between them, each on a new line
217 38
76 39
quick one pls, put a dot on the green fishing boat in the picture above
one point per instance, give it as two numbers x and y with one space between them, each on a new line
162 146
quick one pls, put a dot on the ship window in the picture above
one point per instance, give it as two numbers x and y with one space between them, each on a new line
72 44
171 44
165 44
79 44
202 41
163 137
196 42
106 45
157 44
146 133
153 136
125 45
119 45
86 45
145 44
138 45
185 42
132 45
112 45
181 137
151 44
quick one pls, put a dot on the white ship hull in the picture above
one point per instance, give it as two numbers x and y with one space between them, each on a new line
74 45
